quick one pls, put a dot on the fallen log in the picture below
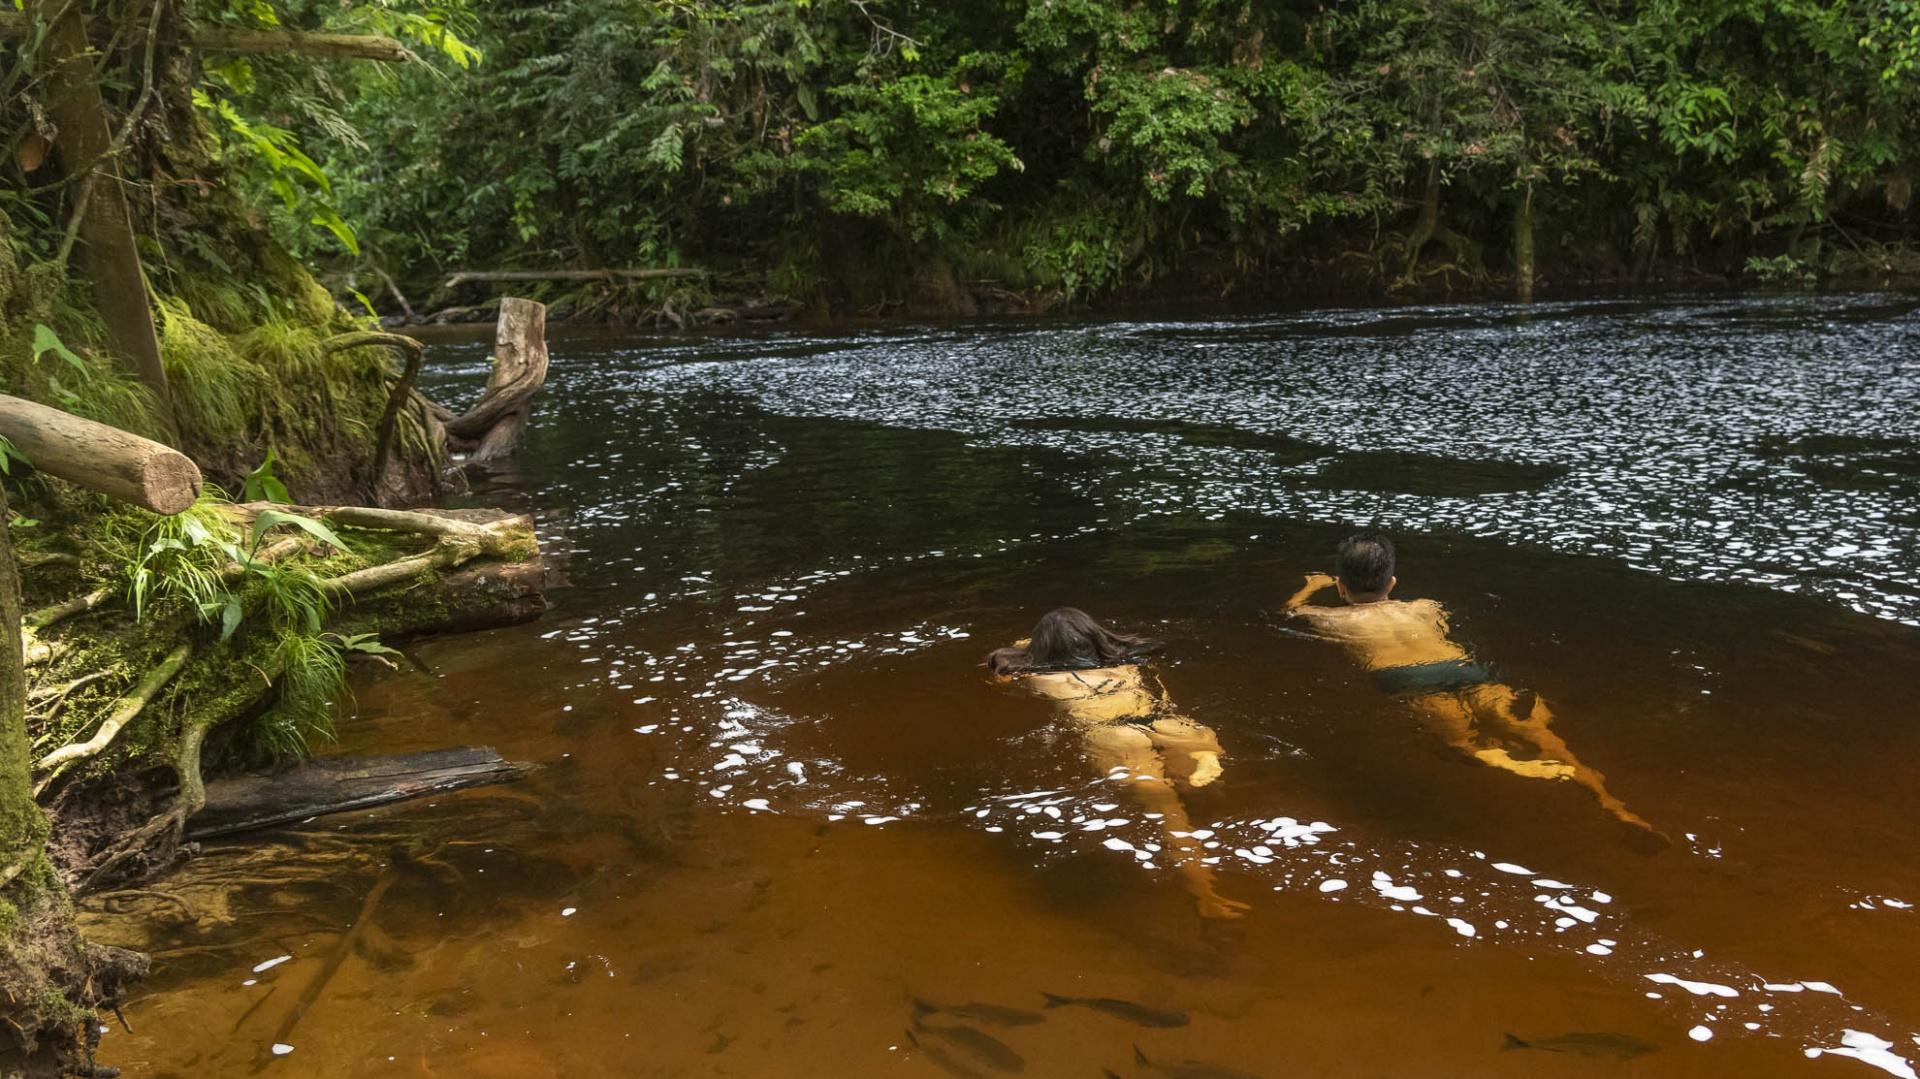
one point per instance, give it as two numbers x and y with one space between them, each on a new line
101 458
339 784
492 427
494 276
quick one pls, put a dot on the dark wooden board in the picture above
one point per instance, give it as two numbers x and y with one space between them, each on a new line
338 784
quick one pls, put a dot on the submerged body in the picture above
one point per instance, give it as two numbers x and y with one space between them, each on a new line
1407 646
1130 733
1134 738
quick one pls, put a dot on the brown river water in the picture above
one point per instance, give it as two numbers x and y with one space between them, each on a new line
782 813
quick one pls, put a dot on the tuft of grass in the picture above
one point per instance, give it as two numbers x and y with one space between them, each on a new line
215 390
286 349
312 676
219 305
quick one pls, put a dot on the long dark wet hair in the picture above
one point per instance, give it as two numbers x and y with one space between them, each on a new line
1068 639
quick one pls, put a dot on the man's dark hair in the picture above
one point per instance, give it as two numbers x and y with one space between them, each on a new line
1364 563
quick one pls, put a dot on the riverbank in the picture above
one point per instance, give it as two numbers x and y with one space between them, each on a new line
743 302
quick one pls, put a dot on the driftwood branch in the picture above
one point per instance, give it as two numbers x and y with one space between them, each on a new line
332 46
100 458
492 427
612 274
339 784
81 604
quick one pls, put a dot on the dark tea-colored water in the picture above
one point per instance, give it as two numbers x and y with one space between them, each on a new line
785 825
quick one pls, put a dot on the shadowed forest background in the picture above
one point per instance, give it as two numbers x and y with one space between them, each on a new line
857 157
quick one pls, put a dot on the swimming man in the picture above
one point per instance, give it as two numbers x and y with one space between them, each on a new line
1406 646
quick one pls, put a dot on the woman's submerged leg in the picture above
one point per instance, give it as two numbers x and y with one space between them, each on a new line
1191 750
1125 754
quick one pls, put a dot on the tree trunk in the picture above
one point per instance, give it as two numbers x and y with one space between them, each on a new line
1426 225
1523 246
492 427
100 458
99 206
50 979
22 826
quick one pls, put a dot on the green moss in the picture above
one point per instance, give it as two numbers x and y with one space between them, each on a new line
215 390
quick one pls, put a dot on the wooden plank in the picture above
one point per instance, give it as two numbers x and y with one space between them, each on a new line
339 784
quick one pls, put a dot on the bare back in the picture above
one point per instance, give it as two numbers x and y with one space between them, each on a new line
1100 695
1388 633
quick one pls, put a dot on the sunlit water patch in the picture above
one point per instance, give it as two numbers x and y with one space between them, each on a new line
1654 435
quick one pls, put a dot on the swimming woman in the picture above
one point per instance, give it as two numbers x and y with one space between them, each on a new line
1131 733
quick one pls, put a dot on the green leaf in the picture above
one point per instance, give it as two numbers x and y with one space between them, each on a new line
8 455
269 519
261 485
364 643
230 617
45 341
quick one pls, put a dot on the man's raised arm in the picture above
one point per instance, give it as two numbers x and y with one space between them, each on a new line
1316 582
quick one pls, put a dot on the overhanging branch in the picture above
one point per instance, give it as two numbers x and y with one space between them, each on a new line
15 26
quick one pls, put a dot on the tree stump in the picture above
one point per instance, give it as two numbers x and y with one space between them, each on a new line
492 428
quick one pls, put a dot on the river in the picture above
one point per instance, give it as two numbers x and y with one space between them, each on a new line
782 811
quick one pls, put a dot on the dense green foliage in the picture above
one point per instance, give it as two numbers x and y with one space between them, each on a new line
841 148
209 149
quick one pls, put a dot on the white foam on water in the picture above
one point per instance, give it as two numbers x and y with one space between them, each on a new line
1516 870
1333 885
281 1049
1386 887
1698 989
1701 1033
271 963
1462 927
1870 1050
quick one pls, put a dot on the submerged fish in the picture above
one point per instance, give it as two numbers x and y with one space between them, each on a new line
1190 1069
977 1045
1595 1044
992 1014
1121 1009
946 1061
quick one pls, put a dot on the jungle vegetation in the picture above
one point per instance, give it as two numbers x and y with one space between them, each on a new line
857 154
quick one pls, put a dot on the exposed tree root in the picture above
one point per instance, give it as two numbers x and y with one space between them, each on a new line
124 710
47 616
163 832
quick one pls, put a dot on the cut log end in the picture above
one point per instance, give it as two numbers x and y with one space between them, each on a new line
171 482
